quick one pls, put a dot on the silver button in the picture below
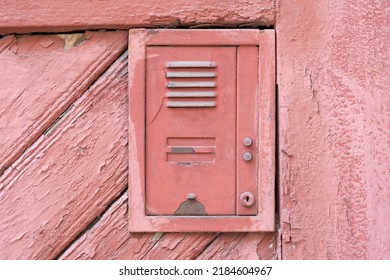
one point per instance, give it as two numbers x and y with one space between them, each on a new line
247 141
191 196
247 156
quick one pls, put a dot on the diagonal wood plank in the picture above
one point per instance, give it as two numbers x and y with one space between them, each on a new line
241 246
41 76
110 239
180 246
67 177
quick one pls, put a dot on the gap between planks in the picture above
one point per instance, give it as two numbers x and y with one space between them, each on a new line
93 223
113 51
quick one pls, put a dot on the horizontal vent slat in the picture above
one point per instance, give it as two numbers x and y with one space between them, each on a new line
190 74
191 84
190 64
191 104
195 94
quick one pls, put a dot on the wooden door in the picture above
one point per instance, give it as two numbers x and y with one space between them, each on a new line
63 135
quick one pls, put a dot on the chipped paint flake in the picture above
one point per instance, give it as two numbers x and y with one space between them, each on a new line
72 40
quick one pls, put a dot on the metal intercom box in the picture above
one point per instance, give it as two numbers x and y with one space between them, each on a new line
201 130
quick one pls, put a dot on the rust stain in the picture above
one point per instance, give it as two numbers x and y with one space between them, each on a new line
73 40
191 208
152 31
182 150
189 163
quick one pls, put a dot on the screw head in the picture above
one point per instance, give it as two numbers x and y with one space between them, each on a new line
247 141
247 156
191 196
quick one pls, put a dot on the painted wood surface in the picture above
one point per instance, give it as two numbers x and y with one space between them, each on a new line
65 195
49 16
110 239
67 177
41 76
334 166
334 111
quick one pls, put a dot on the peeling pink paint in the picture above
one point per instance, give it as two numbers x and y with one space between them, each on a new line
334 115
333 69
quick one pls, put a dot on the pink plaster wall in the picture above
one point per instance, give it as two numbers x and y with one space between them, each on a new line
334 128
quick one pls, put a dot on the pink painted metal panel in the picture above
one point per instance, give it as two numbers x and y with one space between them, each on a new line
247 130
226 37
174 129
190 148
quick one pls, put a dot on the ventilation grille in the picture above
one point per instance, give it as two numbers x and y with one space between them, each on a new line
191 84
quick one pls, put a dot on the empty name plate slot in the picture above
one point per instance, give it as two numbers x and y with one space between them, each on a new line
190 150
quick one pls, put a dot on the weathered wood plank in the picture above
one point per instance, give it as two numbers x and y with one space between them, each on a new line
241 246
68 177
180 246
47 16
334 110
110 239
41 76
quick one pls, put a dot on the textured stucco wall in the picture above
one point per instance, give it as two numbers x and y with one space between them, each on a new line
334 128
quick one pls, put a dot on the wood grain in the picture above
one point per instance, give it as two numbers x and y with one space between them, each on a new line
334 111
110 239
56 197
241 246
48 16
41 76
67 178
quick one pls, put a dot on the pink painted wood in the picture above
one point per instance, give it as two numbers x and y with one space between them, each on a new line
56 207
333 77
109 238
62 182
45 241
266 170
333 91
138 195
18 16
41 76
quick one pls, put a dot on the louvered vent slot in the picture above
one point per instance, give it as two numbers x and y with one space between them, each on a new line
191 84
